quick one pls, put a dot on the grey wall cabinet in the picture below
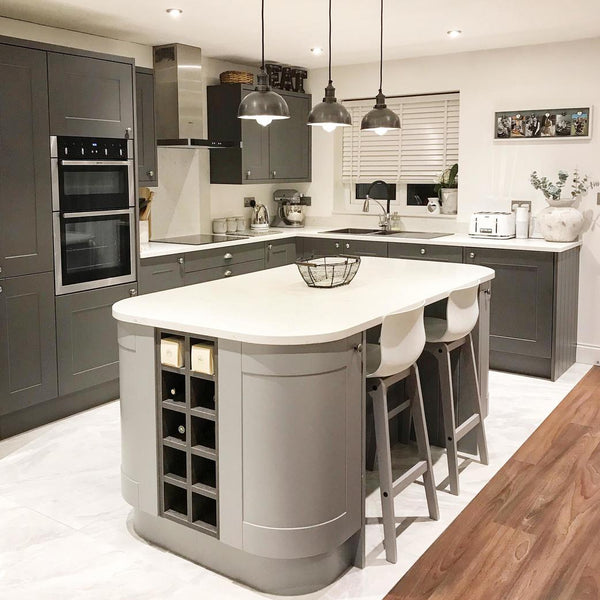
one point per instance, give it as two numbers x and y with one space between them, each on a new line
87 337
279 253
533 312
146 131
25 196
426 252
331 247
280 152
90 96
27 342
160 273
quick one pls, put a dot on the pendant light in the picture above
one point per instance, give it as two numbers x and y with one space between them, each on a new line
380 118
329 114
262 104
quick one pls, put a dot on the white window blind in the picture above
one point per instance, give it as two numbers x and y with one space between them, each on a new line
426 144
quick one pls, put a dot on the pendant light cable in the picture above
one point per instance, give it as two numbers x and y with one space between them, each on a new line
330 80
262 37
381 50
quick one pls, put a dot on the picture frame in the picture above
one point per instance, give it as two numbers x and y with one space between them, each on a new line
544 124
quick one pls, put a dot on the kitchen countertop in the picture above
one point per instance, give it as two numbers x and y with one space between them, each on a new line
226 308
154 249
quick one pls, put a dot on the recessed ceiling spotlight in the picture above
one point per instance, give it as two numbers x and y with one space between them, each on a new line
454 33
317 50
174 12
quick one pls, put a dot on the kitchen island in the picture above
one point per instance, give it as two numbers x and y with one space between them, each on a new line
257 470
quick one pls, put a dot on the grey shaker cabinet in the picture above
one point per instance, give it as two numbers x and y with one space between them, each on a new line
147 163
331 247
25 188
279 253
27 342
160 273
426 252
280 152
87 337
90 96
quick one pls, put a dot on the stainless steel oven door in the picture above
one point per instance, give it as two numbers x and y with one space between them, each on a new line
93 249
88 185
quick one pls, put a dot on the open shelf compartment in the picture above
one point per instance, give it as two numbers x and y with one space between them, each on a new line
204 511
175 501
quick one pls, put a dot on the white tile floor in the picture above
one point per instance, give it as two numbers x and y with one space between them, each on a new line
65 532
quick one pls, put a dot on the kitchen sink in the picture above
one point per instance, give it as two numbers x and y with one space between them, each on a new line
421 235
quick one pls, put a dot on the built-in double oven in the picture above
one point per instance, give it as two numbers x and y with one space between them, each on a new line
93 203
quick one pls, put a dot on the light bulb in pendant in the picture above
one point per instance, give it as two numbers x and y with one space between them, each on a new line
380 130
264 120
329 127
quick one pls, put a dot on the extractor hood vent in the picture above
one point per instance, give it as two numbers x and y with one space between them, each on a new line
179 98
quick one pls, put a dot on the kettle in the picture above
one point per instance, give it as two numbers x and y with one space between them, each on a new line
260 217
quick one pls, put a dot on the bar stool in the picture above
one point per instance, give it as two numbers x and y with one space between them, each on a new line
389 362
444 336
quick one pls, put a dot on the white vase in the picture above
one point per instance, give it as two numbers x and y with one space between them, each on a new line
449 202
560 223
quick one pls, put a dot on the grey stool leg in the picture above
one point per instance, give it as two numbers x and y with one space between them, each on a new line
418 416
481 437
384 460
442 353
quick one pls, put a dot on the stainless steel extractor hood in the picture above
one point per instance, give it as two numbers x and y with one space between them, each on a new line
179 98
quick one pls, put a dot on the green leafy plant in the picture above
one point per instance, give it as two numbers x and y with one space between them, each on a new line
446 179
552 191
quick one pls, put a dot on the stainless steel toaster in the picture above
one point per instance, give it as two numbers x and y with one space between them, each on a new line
499 225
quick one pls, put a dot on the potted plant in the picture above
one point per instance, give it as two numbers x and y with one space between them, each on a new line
446 187
561 222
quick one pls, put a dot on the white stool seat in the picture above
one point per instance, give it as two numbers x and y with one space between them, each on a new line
435 329
373 358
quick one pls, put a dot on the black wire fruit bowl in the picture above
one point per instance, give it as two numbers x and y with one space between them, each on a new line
328 271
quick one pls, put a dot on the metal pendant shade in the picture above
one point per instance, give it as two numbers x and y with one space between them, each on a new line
380 118
329 114
263 105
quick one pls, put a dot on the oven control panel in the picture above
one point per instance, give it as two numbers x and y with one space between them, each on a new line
85 148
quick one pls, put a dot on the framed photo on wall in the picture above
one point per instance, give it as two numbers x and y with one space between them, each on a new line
556 123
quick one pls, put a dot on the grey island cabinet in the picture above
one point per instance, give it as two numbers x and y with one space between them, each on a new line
254 467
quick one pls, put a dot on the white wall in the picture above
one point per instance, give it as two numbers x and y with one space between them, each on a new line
491 172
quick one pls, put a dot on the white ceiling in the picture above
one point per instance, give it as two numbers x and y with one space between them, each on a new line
230 29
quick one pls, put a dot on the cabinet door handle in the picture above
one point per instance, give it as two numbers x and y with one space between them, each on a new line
0 269
248 174
347 246
423 251
180 260
228 256
127 132
227 273
337 244
0 289
273 173
133 292
151 173
471 254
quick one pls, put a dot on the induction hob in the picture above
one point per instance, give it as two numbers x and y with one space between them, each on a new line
199 239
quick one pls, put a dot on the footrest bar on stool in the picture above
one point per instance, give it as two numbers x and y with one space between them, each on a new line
467 426
396 411
409 477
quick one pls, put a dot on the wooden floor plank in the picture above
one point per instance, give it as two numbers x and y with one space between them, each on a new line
533 532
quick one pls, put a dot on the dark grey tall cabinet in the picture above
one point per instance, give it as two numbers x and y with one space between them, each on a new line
147 164
28 373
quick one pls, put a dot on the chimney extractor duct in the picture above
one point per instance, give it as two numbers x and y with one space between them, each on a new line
179 97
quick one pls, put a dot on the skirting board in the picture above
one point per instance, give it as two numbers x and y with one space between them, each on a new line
588 354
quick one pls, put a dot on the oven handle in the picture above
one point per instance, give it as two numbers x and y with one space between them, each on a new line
97 213
92 163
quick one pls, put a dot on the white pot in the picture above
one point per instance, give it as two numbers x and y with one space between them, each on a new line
560 223
449 202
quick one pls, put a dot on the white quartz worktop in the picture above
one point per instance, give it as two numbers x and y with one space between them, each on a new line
153 249
275 306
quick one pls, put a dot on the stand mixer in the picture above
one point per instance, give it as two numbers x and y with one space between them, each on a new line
290 209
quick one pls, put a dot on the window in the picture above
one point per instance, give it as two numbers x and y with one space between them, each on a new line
426 144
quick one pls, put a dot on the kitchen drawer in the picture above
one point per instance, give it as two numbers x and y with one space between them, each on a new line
223 257
331 247
160 273
426 252
224 271
279 253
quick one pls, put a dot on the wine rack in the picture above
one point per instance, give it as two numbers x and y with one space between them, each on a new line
187 406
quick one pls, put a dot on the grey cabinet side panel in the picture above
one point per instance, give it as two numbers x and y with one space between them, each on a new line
566 296
230 443
90 97
27 342
87 338
138 416
301 429
25 198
